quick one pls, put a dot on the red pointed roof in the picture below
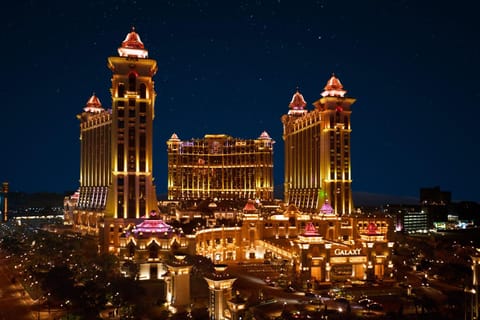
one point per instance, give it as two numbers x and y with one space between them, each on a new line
93 104
310 230
264 136
174 137
132 46
132 40
249 206
298 102
334 88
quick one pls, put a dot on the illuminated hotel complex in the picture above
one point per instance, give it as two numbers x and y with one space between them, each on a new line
222 167
315 231
317 151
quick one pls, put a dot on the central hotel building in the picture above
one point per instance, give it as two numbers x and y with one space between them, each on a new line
220 167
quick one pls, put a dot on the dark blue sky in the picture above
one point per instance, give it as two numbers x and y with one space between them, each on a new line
232 67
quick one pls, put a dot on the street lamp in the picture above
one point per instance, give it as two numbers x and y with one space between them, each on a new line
472 292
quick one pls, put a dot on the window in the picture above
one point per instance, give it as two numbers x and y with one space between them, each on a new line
131 249
143 91
132 79
153 250
143 107
121 90
120 156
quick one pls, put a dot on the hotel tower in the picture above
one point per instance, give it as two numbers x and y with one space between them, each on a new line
317 151
116 182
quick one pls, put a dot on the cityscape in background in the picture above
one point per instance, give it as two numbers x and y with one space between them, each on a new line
224 242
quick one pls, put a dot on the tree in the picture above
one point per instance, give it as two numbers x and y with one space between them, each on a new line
59 282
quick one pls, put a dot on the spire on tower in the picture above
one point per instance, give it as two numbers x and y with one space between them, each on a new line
132 46
93 105
334 88
298 102
264 136
174 137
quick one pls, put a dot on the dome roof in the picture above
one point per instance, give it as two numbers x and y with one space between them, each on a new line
132 46
174 137
132 41
249 206
326 208
334 88
93 105
298 102
153 226
264 136
310 230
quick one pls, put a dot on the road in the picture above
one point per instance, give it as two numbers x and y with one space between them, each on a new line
15 303
251 282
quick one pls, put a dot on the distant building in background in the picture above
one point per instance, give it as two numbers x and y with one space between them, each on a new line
317 151
220 167
4 202
435 196
408 218
435 202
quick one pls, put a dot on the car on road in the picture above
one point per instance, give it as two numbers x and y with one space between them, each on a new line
374 306
341 300
364 301
289 289
310 294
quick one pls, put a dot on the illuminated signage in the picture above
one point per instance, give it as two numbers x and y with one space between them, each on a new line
349 252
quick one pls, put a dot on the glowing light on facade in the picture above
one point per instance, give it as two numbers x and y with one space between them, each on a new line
153 226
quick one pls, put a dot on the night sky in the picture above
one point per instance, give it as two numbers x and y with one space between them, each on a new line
232 67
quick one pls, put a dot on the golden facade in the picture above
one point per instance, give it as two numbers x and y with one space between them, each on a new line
132 194
88 204
323 247
317 151
149 244
220 166
116 181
